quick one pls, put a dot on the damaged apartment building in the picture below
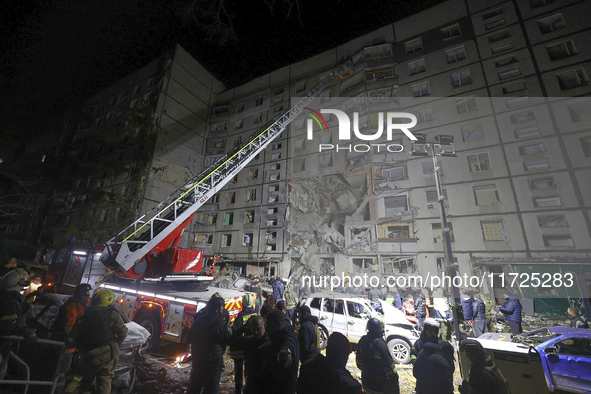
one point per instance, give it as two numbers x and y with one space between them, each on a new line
516 195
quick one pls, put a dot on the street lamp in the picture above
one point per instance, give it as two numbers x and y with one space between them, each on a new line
443 146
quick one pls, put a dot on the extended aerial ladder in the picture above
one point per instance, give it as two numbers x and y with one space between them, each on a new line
145 247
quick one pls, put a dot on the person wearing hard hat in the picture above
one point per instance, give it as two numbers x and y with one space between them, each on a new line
98 334
236 352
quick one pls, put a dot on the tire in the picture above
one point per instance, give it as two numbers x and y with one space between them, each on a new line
400 350
323 337
150 323
224 284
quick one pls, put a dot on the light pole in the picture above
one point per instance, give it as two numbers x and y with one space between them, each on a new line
443 146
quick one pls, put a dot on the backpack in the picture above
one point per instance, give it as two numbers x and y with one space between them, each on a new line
60 320
94 329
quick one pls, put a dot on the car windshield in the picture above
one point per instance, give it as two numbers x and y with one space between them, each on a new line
535 336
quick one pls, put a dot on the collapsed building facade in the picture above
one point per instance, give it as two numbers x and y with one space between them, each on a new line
516 194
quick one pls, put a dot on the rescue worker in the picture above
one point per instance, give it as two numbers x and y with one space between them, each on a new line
378 371
479 316
576 320
375 295
256 288
208 337
443 316
466 302
488 314
512 311
277 289
484 376
420 310
236 353
253 347
430 334
328 375
292 298
307 334
97 334
434 371
11 264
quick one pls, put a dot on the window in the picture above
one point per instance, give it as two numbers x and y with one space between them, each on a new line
493 19
506 61
466 104
251 195
429 170
558 240
300 87
253 174
271 247
299 123
501 48
526 132
273 188
499 36
274 177
203 239
394 174
473 132
572 79
226 240
493 230
586 145
326 138
517 102
229 219
395 204
562 50
299 165
414 45
276 146
424 114
531 149
461 78
272 211
239 123
479 162
437 233
516 87
545 202
509 74
247 239
271 234
231 198
451 31
552 221
258 118
522 117
399 232
421 90
551 23
433 202
276 156
234 179
380 73
272 222
455 54
300 144
215 199
325 160
416 67
240 107
273 198
249 217
258 101
237 141
486 195
539 3
275 166
542 183
536 165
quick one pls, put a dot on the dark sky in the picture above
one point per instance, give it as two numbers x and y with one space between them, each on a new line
57 53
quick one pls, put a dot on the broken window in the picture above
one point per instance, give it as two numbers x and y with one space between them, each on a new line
226 240
558 240
300 143
526 132
239 123
522 117
472 132
258 118
240 107
271 247
552 221
231 198
275 166
272 211
274 198
433 202
545 202
275 156
258 101
229 219
274 177
276 146
479 162
394 174
271 234
253 174
486 195
273 188
531 149
395 204
234 179
536 165
437 234
237 141
299 165
251 195
399 231
466 104
429 169
215 199
203 239
272 222
326 160
542 183
247 239
379 73
362 264
359 234
572 79
249 217
398 265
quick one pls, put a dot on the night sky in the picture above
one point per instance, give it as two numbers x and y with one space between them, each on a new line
58 53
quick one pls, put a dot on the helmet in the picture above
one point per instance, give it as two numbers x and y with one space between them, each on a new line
14 280
247 301
374 325
430 322
104 297
474 349
82 289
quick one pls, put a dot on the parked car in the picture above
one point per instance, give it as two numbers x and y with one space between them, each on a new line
540 361
348 314
45 308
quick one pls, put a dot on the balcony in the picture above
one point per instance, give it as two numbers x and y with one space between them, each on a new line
397 245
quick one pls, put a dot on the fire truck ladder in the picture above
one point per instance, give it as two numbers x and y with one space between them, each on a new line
174 212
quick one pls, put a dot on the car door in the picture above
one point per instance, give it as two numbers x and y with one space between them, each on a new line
567 362
358 314
334 309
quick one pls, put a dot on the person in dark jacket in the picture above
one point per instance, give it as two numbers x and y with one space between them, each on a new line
307 334
375 295
253 347
512 311
479 315
430 334
279 359
484 376
420 310
378 370
329 375
236 353
277 289
208 337
576 320
466 301
433 371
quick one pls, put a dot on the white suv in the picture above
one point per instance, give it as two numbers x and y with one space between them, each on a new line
348 314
